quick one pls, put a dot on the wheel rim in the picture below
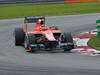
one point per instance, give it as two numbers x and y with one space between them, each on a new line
25 43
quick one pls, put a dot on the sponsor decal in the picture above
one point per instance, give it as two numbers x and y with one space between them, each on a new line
50 36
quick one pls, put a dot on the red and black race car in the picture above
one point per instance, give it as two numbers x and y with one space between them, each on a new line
41 36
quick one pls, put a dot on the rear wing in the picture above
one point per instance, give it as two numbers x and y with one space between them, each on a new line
33 19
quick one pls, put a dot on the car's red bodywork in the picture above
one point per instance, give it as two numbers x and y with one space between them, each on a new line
42 30
41 36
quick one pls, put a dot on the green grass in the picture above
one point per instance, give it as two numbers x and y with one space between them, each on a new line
95 43
48 10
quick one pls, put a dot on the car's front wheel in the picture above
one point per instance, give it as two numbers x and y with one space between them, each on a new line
27 42
67 38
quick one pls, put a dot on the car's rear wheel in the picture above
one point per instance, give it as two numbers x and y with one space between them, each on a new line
68 39
19 36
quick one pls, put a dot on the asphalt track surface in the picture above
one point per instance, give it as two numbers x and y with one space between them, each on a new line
16 61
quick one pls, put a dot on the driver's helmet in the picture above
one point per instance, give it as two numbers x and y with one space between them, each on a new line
40 22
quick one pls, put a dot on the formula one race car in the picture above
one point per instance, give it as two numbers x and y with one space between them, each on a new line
41 36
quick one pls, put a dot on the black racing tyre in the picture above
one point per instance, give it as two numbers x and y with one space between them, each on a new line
68 39
26 43
19 36
29 39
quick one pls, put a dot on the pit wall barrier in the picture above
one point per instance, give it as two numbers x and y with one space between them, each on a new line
72 1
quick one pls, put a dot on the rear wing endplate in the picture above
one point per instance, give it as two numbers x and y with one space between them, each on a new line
33 19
